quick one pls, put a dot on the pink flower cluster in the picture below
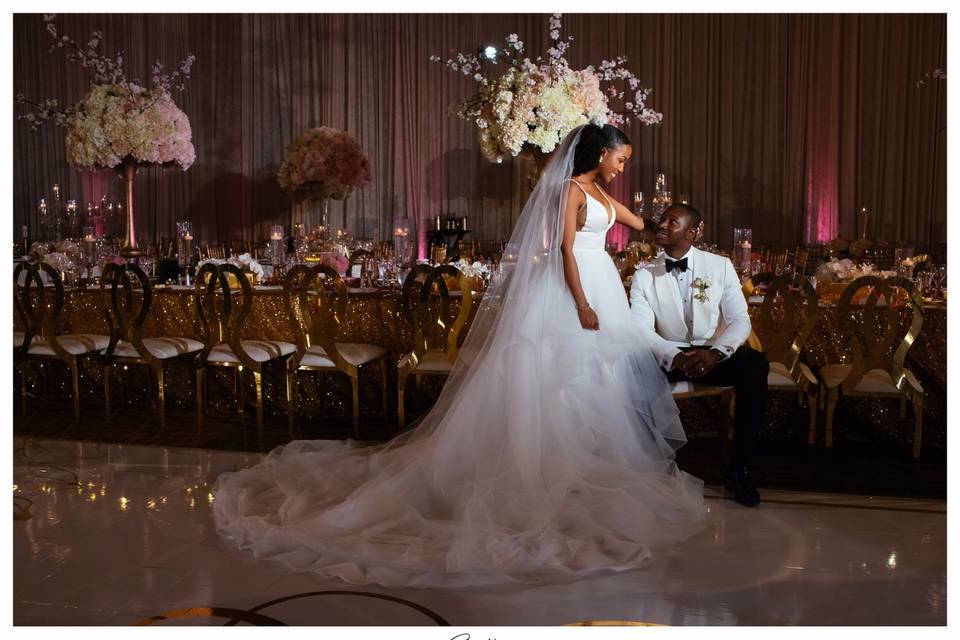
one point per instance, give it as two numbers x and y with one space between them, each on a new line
537 103
323 163
114 122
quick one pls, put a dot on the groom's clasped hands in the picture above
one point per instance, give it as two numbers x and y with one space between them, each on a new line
695 363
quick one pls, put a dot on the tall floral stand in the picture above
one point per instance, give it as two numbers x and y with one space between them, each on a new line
128 173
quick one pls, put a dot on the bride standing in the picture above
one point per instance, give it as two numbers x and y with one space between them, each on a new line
549 453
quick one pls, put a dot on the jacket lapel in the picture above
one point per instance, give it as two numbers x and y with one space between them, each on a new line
701 310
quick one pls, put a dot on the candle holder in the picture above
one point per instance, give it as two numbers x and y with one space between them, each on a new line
742 248
185 244
401 241
89 239
277 249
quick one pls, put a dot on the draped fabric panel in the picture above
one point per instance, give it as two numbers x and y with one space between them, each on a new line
788 124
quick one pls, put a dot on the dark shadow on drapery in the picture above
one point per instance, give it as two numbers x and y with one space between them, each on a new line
216 207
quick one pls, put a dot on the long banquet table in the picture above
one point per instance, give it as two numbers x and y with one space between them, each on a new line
374 317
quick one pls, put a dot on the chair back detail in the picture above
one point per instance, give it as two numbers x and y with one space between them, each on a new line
128 296
425 304
787 317
316 301
38 313
361 257
879 339
222 310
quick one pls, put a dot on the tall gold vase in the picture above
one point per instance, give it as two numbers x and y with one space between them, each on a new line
128 172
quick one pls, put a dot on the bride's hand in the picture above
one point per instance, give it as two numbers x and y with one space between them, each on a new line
588 318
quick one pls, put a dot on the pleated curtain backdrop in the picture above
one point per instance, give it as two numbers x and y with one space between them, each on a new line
788 124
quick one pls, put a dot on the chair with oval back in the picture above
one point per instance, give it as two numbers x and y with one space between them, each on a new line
316 301
40 317
223 312
361 257
788 315
128 298
425 304
879 343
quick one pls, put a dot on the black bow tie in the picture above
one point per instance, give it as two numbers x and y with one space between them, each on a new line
676 264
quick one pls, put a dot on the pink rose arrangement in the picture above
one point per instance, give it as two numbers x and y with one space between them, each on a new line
117 118
323 163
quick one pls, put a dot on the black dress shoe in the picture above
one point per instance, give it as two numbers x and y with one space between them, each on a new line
737 480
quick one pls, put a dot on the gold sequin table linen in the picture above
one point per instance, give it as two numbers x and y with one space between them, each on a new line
373 316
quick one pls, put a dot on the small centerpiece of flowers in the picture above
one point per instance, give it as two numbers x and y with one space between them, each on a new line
523 104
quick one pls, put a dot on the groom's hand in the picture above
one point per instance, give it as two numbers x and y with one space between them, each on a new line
699 362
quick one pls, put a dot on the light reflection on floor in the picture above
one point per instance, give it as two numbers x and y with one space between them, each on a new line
117 534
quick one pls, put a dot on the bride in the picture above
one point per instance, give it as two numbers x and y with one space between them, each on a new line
548 455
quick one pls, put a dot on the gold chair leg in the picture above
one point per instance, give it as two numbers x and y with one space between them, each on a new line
355 388
258 383
106 389
161 399
918 421
814 402
75 375
291 400
831 405
238 387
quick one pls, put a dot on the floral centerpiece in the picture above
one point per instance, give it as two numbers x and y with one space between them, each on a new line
118 123
247 263
323 163
533 104
834 275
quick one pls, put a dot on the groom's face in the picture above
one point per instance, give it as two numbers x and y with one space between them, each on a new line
674 231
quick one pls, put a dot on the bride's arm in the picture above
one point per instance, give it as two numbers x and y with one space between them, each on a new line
571 273
625 216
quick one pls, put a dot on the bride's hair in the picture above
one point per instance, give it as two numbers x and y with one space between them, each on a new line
593 140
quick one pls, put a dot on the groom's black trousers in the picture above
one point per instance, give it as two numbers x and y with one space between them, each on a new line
746 370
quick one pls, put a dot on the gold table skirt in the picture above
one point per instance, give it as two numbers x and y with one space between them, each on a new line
374 317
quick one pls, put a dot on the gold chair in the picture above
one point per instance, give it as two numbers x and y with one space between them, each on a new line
39 318
127 304
316 302
222 312
879 345
434 340
801 261
781 336
361 257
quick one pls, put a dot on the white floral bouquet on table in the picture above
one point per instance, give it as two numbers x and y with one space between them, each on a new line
117 118
472 270
244 261
59 261
323 163
847 270
537 103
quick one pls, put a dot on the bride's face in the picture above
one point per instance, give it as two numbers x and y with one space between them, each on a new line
612 162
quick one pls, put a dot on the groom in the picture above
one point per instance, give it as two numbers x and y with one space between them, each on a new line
690 303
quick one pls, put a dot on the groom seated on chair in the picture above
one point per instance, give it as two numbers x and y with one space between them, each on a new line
690 304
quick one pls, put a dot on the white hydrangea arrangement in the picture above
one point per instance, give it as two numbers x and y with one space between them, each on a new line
537 103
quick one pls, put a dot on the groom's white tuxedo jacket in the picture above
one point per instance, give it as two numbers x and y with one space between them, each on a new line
671 321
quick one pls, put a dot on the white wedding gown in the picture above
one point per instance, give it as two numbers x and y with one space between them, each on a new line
554 460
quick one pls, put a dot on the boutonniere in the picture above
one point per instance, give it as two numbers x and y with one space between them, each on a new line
701 285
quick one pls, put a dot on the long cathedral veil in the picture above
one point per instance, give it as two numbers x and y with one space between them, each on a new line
548 453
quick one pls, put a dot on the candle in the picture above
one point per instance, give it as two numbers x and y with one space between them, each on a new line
276 232
26 232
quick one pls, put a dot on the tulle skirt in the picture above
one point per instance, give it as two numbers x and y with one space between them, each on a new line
554 460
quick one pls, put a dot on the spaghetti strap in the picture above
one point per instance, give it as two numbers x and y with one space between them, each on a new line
579 185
